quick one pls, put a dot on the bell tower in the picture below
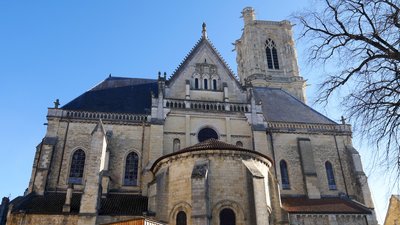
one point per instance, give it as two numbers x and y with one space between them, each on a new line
266 55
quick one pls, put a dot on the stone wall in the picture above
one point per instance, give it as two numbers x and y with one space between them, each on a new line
21 218
222 185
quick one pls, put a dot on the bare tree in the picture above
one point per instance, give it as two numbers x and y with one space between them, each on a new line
362 39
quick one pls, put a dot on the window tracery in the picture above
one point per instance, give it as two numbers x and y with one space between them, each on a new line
77 167
131 169
272 54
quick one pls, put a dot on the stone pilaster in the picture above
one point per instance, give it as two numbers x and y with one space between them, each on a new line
93 165
310 174
42 166
200 198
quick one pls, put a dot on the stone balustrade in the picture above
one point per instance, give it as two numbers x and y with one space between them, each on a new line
206 106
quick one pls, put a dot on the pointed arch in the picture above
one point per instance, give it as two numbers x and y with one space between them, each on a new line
181 218
284 174
77 167
272 54
131 169
330 176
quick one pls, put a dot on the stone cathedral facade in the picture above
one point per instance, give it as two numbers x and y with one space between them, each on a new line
200 147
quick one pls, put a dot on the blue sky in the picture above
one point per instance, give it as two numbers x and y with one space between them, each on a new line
59 49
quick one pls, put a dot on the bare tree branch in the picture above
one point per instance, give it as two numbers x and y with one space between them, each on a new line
361 37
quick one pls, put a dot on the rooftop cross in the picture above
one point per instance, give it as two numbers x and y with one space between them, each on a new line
56 103
343 120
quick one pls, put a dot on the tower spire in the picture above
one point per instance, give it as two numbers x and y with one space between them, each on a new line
204 31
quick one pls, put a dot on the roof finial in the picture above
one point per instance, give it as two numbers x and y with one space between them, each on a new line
204 31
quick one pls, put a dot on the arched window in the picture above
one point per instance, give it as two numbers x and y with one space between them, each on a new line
207 133
330 175
214 84
177 144
196 83
239 144
227 217
77 167
131 169
205 84
181 218
272 54
284 175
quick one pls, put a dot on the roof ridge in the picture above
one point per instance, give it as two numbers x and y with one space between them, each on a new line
174 74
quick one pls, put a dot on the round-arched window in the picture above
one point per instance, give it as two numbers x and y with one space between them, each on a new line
227 217
207 133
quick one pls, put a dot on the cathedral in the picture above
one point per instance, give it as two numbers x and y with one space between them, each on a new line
200 147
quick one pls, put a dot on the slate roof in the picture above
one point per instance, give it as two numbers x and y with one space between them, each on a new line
123 204
52 203
280 106
211 144
133 95
323 206
118 95
49 203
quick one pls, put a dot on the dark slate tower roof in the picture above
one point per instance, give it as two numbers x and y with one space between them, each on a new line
118 95
280 106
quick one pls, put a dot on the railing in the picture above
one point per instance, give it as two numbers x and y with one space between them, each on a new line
309 127
206 106
105 116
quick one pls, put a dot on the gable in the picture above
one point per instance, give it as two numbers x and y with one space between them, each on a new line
206 73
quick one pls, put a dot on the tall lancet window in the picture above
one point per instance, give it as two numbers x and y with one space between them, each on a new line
77 167
284 175
181 218
330 176
131 169
272 54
